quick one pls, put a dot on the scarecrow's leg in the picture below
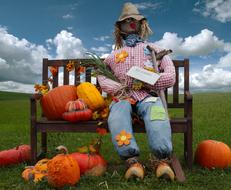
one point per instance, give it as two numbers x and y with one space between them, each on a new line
120 120
157 126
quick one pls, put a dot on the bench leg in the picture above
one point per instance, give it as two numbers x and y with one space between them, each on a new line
188 151
44 142
33 144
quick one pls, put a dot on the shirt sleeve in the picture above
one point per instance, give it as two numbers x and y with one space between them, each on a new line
167 76
107 85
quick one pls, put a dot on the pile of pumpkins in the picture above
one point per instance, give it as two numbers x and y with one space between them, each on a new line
65 169
72 103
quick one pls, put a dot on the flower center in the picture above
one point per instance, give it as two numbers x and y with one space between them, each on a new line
123 138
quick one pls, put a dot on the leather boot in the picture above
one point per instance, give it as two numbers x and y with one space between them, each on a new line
135 169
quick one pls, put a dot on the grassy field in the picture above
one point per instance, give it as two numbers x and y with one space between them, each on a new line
211 120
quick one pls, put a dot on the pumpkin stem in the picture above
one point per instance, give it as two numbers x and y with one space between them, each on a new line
62 149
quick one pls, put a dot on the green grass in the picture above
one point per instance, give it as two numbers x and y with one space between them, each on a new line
211 120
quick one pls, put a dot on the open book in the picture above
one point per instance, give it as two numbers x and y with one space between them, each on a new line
143 75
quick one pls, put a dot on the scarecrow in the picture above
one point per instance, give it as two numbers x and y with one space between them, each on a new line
133 95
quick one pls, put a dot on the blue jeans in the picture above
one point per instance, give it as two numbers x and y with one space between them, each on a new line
158 130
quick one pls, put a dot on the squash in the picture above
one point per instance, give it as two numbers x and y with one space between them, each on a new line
90 164
36 173
15 156
62 170
78 115
53 103
213 154
90 95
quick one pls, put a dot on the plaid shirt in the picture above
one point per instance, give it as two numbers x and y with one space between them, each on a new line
120 61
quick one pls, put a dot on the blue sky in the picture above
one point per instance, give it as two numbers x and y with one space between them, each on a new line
31 30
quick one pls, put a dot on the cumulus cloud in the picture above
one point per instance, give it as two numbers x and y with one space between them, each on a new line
67 46
211 78
20 59
13 86
100 49
216 9
201 44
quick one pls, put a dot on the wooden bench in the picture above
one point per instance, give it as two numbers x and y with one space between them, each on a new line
43 126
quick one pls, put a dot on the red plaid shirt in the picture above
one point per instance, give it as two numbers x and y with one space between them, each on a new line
135 56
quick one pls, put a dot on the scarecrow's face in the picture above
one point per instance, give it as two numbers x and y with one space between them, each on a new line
130 26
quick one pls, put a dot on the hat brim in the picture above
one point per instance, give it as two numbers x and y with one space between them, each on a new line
135 16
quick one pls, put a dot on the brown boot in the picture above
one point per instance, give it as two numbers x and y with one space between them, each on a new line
162 169
135 169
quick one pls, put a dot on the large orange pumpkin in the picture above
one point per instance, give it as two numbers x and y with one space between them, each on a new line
90 164
63 170
53 103
15 156
213 154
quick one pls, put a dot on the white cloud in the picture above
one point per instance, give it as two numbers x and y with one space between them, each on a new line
217 9
147 5
211 78
3 64
67 45
68 16
101 38
20 59
225 61
100 49
201 44
13 86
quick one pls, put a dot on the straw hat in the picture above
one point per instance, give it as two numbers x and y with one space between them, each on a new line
130 11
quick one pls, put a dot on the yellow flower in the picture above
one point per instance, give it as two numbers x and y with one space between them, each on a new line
70 66
121 57
36 87
123 138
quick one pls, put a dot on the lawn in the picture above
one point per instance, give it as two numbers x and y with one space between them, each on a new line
211 120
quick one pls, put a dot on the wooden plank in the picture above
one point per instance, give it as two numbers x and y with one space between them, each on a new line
179 173
65 76
176 88
77 74
45 71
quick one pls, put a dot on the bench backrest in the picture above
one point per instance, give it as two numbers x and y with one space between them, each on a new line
175 103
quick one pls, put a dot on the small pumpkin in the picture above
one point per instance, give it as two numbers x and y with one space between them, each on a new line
75 105
53 103
78 115
36 173
15 155
213 154
63 170
90 164
90 95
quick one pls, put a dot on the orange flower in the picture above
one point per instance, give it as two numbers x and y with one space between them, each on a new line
101 131
121 57
80 70
70 66
54 70
36 87
123 138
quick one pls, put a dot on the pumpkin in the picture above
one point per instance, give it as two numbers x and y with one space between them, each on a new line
213 154
63 170
90 164
36 173
75 105
53 103
79 115
90 95
15 156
